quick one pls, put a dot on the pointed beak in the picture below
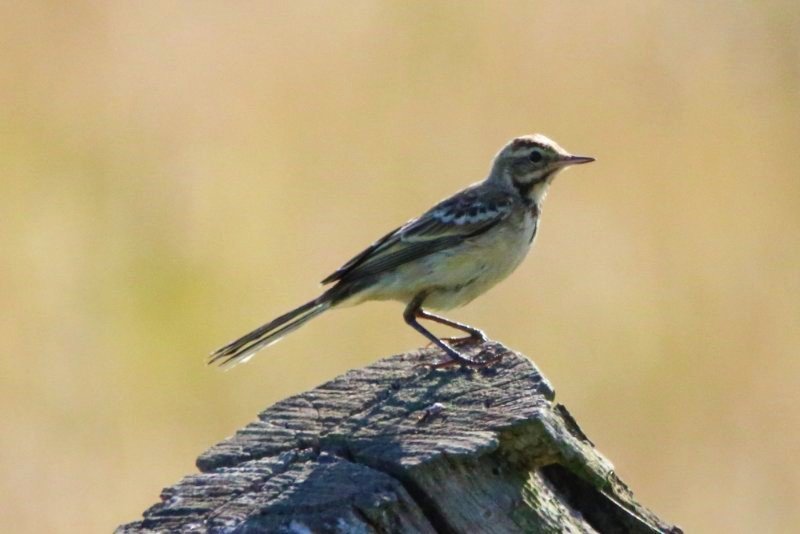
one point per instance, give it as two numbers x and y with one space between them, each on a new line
575 160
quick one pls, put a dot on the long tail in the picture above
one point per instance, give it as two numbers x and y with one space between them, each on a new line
245 347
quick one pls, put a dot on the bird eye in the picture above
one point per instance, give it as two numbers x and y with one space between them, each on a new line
536 156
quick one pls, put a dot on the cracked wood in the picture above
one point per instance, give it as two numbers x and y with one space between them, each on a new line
395 448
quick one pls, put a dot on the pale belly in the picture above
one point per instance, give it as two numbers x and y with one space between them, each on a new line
454 277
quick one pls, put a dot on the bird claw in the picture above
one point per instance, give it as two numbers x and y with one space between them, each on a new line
464 362
479 337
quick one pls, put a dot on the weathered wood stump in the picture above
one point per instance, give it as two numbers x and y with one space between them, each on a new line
397 448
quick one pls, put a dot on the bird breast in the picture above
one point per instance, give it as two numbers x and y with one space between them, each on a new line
455 276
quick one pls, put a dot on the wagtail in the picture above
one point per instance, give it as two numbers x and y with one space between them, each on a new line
442 259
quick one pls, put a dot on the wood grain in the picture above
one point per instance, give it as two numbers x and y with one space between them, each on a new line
392 447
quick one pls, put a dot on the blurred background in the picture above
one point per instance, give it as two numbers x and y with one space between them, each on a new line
173 174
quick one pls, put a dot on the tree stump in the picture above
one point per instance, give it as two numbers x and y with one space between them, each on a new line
394 447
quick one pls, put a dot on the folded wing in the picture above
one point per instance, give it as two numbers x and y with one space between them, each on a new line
465 215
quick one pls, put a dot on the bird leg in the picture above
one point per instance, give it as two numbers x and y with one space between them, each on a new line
474 334
414 310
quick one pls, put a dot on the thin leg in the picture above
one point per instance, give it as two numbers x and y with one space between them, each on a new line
474 333
414 310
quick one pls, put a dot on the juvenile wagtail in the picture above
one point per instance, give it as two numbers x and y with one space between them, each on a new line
442 259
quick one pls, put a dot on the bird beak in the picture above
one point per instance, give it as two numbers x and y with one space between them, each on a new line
575 160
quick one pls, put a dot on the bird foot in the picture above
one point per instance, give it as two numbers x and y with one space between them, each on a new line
462 362
477 337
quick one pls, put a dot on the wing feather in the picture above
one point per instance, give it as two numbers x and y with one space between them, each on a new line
464 215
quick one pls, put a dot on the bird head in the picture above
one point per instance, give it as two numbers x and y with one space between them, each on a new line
529 164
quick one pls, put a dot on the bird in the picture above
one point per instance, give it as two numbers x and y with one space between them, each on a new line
441 260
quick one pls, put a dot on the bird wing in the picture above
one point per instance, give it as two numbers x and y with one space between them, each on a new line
466 214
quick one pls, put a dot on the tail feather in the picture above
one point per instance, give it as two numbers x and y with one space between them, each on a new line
245 347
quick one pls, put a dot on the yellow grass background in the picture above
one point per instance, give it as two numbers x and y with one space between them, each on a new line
174 173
